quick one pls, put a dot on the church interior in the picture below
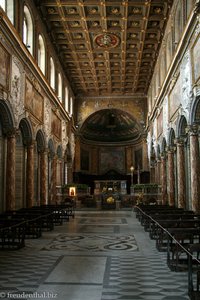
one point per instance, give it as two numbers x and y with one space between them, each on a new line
100 149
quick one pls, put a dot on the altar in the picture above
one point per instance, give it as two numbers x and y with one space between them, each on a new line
108 193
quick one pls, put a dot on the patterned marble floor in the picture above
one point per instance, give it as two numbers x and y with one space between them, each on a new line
102 255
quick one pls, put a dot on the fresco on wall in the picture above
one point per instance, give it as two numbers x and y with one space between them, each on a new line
111 159
196 62
34 102
5 67
56 125
175 97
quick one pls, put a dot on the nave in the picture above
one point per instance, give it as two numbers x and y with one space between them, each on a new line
98 255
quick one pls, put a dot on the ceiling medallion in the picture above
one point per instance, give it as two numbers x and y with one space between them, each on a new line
106 40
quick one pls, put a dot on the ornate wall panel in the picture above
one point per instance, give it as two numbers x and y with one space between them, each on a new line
56 125
196 59
17 88
34 101
175 98
160 123
5 68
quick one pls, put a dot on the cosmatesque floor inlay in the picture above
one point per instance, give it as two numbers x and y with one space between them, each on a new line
105 221
91 242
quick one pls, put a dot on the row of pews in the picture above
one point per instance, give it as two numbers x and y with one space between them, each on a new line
18 225
177 232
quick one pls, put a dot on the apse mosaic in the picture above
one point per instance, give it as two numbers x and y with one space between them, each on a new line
94 243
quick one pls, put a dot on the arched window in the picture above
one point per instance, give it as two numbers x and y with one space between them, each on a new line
28 30
66 99
8 7
52 73
41 54
59 87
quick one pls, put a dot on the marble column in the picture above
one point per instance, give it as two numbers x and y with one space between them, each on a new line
43 177
10 172
171 178
194 163
158 171
145 161
30 176
181 175
164 180
152 174
70 173
53 179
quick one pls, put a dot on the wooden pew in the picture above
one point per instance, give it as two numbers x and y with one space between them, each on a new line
12 234
178 242
33 224
194 271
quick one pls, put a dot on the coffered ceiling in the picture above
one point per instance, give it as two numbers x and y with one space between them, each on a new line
107 47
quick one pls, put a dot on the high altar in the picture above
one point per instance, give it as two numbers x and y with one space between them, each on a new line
109 193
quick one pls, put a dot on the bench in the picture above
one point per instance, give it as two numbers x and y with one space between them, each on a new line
178 242
194 271
12 235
